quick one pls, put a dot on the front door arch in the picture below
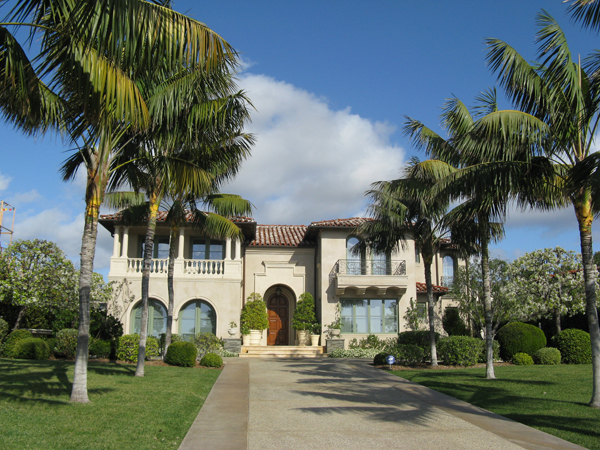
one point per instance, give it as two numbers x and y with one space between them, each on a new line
278 308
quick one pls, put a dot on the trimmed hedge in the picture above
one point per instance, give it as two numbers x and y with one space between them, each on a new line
66 343
128 347
13 338
211 360
31 348
460 350
518 337
522 359
420 339
547 356
181 354
100 348
574 346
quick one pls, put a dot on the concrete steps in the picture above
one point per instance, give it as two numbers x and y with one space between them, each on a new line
281 351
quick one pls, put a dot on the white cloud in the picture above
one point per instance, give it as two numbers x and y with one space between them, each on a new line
26 197
550 223
310 162
4 182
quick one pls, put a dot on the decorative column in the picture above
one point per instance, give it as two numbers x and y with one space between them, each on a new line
227 249
117 242
181 247
238 249
125 246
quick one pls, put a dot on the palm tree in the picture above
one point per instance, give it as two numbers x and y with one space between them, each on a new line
405 209
549 136
92 53
587 12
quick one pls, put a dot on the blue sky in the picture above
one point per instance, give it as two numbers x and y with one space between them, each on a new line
331 82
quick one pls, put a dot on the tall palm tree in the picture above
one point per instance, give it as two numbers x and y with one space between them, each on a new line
405 209
587 12
549 135
91 54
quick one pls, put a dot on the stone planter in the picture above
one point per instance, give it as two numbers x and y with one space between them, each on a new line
232 331
334 332
245 339
302 336
314 340
255 337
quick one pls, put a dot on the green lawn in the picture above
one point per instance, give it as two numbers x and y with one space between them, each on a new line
125 412
550 398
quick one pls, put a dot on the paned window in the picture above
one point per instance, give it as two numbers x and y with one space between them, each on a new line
447 271
369 315
160 249
157 318
204 248
197 317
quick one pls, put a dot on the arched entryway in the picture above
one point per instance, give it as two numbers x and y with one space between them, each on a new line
278 308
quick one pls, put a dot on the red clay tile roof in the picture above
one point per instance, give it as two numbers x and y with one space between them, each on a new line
351 222
281 236
422 288
162 215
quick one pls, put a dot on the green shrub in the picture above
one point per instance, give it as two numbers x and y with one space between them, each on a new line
181 354
406 354
460 350
3 329
522 359
380 359
66 343
254 313
211 360
547 356
453 323
372 341
100 348
495 349
304 315
574 346
51 342
420 339
31 348
368 353
207 343
518 337
12 339
128 347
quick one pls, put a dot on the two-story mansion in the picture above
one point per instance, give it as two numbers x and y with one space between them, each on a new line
213 278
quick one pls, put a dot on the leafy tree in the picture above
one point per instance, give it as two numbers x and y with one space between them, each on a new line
304 315
548 283
37 274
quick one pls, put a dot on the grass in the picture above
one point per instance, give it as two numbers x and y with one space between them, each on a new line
153 412
550 398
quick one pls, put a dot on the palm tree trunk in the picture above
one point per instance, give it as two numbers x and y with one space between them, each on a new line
585 218
428 260
487 298
173 240
148 252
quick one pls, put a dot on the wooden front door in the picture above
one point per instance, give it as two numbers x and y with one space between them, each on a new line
278 320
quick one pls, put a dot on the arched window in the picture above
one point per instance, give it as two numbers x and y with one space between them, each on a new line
448 271
157 318
354 264
197 317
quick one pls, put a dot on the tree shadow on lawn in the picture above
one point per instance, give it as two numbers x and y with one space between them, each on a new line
45 381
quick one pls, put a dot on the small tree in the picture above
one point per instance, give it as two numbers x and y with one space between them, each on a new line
254 313
412 316
304 314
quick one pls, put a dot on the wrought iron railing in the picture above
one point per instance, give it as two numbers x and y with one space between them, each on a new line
358 267
447 281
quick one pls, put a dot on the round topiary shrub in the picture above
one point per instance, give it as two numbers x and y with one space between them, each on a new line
66 343
518 337
211 360
100 348
547 356
12 339
574 346
128 347
522 359
181 354
420 339
379 359
31 348
460 350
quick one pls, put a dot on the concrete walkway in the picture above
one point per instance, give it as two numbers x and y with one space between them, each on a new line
302 404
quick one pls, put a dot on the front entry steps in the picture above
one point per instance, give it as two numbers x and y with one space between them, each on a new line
281 351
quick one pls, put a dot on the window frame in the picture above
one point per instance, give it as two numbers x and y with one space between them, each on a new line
151 309
197 318
208 242
384 317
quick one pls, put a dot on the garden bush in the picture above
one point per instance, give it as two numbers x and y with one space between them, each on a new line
453 323
405 354
128 347
372 341
495 348
547 356
66 343
380 359
51 342
12 339
31 348
254 313
211 360
354 353
574 346
420 339
460 350
181 353
3 329
522 359
207 343
100 348
518 337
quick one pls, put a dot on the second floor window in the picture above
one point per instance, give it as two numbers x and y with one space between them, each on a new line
205 248
161 247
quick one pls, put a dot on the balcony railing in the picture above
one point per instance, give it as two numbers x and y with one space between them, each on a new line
136 265
190 266
358 267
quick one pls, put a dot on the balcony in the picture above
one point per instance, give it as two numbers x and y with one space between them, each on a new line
360 275
183 268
